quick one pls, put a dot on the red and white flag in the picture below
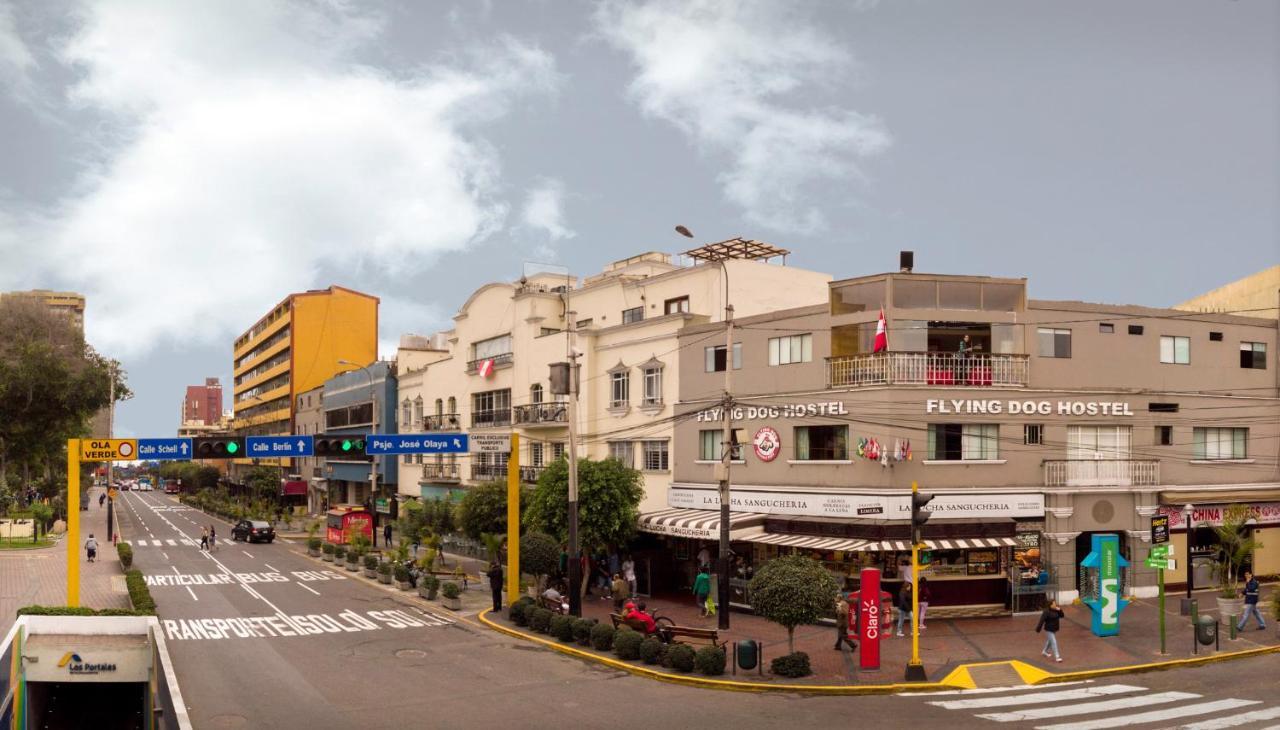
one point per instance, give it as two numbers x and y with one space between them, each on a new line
486 368
882 334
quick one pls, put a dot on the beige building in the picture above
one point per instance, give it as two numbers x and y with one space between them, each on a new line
1056 421
308 418
1256 295
489 374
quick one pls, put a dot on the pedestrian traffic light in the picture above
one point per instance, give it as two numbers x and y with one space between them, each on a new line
341 447
218 447
918 515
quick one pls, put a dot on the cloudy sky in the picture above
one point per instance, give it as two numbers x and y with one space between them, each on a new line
185 164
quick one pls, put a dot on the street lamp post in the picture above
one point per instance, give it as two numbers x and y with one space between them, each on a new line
1187 509
373 467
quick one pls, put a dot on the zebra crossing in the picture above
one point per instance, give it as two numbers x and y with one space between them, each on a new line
164 543
1089 706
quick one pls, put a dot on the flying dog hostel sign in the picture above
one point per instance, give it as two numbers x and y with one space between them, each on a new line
972 407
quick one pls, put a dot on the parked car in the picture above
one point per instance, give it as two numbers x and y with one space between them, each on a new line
253 531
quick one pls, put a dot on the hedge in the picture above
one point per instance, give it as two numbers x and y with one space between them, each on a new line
139 593
77 611
682 657
582 630
626 643
539 619
792 665
710 660
651 650
562 628
602 637
125 551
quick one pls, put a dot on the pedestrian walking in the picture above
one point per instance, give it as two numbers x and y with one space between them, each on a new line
629 574
704 557
621 592
213 538
386 534
702 589
204 538
1251 593
904 606
842 624
923 602
101 498
91 547
495 582
1051 621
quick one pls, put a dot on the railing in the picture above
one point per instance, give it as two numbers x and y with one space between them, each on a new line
928 368
541 413
498 361
444 422
498 417
1101 472
530 474
488 472
444 471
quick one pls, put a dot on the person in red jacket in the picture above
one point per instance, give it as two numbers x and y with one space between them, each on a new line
638 613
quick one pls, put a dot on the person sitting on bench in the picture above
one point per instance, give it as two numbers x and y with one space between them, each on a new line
639 614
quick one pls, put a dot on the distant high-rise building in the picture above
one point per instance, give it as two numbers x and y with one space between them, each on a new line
1256 295
203 404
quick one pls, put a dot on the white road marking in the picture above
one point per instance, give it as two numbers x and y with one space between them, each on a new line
246 552
193 593
304 585
1173 713
989 690
1086 708
1217 723
1045 698
172 542
269 566
164 555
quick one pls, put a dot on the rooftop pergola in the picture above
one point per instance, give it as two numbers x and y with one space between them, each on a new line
736 248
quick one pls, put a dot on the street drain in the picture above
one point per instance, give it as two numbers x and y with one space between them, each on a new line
410 654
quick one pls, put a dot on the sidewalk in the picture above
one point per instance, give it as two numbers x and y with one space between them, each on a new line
39 577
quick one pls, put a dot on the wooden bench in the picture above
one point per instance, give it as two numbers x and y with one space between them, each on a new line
619 622
551 604
690 634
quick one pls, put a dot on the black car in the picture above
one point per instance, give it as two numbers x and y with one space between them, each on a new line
253 531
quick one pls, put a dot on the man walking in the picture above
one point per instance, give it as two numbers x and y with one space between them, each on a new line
1051 621
702 589
386 534
91 547
494 575
102 498
204 538
1251 592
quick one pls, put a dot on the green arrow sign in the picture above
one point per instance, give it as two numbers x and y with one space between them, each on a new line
1160 551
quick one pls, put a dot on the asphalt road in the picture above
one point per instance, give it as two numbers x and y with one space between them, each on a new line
452 673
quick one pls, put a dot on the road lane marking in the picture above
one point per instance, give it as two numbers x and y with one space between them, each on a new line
285 625
1174 713
172 542
989 690
193 593
304 585
269 566
1217 723
1044 698
1087 708
164 555
246 552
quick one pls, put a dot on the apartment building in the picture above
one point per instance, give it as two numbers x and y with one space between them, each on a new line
1054 421
202 404
296 346
489 374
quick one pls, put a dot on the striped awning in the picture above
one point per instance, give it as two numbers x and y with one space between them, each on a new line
703 524
810 542
972 542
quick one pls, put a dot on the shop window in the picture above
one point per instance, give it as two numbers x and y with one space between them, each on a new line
622 451
1253 355
711 442
655 456
791 349
1164 435
1054 343
1175 350
635 314
1106 328
1033 434
717 360
679 305
963 441
1219 443
822 443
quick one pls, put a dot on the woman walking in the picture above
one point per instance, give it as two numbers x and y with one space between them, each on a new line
1051 621
213 538
204 538
923 600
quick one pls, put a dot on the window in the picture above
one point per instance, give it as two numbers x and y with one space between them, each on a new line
536 456
1135 329
653 386
417 411
439 407
344 416
655 455
1033 434
1215 337
1162 407
1175 350
1253 355
1106 328
406 414
535 393
716 358
963 442
1054 343
492 347
788 350
619 388
822 443
635 314
583 323
711 441
622 451
453 405
679 305
557 451
1219 443
1164 435
543 332
491 408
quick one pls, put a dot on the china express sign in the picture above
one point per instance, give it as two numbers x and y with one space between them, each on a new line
76 665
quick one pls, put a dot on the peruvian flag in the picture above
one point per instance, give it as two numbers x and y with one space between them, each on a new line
486 367
882 334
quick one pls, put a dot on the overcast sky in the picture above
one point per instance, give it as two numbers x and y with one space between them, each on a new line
185 165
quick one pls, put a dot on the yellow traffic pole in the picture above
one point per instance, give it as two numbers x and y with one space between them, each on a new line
915 670
73 522
513 520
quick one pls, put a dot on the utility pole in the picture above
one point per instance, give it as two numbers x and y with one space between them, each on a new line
575 565
726 459
111 429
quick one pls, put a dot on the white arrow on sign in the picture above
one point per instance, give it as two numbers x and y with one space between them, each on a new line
183 446
457 444
301 444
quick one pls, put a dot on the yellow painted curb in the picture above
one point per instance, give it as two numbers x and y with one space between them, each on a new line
720 684
1155 666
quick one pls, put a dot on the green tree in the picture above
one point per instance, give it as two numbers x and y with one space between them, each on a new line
1235 545
484 509
539 556
608 496
792 591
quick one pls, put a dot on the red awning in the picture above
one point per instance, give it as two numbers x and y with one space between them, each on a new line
293 487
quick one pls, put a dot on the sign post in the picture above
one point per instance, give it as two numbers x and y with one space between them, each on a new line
1160 541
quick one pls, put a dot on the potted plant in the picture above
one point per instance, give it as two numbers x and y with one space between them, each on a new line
339 553
326 552
427 586
313 546
402 577
1235 546
371 566
353 559
452 596
384 572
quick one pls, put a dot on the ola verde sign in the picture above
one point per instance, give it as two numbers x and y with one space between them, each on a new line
108 449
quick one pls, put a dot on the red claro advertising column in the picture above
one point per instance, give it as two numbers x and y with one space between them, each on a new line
869 608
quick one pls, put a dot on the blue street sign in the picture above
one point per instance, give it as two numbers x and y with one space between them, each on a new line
417 443
156 449
261 447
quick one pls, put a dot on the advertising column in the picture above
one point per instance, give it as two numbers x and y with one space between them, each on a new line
869 610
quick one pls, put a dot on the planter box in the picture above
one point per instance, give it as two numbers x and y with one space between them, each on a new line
312 553
370 573
429 595
384 578
327 557
1230 607
453 604
353 567
404 585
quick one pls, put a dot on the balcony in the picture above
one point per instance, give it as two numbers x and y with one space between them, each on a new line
442 472
499 361
530 474
542 414
488 472
442 422
1101 472
928 368
491 419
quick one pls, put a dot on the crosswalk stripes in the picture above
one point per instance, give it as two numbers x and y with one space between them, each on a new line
1102 706
162 543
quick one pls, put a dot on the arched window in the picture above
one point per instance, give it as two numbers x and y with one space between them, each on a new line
439 407
406 414
535 393
417 410
453 406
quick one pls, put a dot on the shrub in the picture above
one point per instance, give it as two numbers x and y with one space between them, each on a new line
402 573
515 612
651 650
450 589
76 611
125 551
539 555
602 637
433 584
139 593
540 620
562 628
626 644
793 590
682 656
384 567
339 552
710 661
371 562
792 665
328 548
314 543
582 630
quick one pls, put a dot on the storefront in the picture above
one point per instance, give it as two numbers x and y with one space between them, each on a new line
1207 511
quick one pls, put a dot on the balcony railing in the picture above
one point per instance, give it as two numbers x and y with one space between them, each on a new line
444 422
488 472
442 472
489 419
548 414
928 368
530 474
498 361
1101 472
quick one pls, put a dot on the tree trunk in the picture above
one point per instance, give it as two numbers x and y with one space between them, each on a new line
791 639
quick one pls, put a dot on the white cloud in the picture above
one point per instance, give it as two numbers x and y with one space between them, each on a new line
725 72
251 150
16 59
544 210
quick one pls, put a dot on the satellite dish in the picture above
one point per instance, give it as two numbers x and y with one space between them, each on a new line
684 231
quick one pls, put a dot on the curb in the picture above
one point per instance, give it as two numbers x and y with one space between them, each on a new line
1035 675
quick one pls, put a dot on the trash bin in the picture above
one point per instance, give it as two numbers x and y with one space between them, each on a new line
1206 630
1202 571
748 654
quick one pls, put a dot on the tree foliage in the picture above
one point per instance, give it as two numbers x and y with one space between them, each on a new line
792 590
539 555
484 509
608 496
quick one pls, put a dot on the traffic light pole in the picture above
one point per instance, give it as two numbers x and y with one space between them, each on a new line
513 520
915 668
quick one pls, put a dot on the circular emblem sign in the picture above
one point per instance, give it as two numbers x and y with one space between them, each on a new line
767 444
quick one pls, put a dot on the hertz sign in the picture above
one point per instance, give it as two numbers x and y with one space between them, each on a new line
108 449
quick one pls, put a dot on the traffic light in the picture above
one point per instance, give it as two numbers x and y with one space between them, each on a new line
350 448
218 447
918 515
